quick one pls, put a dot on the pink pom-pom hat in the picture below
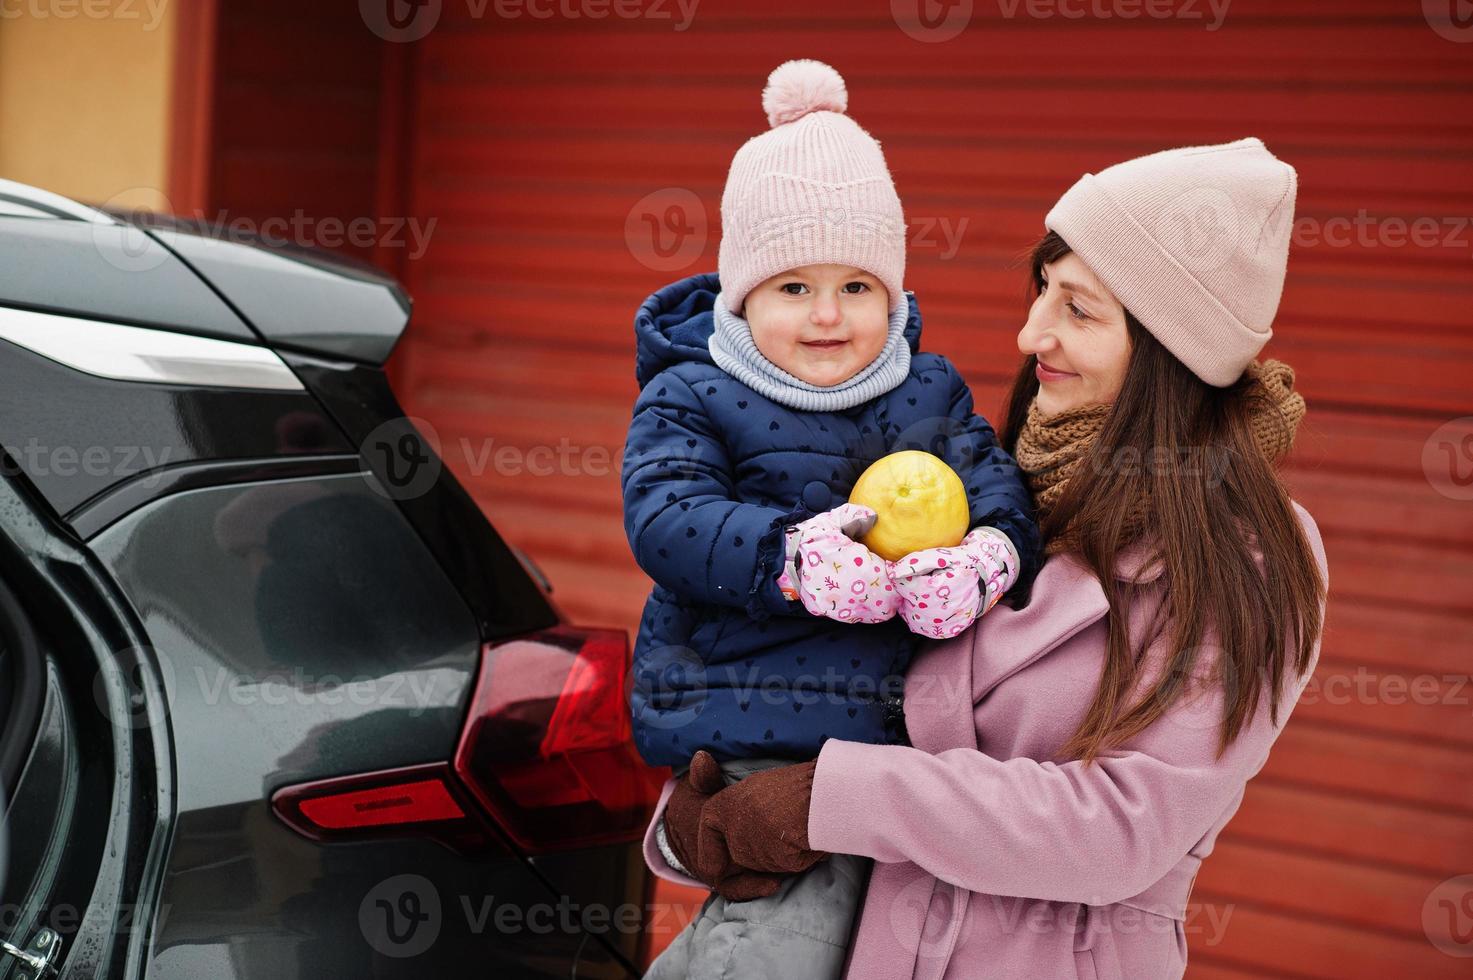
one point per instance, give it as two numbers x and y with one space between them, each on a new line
812 189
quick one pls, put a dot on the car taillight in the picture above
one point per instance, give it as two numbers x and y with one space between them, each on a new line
547 748
397 803
419 801
545 755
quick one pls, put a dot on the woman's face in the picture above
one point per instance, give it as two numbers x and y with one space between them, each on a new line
1076 327
822 324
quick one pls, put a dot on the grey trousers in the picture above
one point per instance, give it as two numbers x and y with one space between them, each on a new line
801 931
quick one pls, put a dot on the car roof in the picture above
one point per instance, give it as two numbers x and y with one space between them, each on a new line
133 267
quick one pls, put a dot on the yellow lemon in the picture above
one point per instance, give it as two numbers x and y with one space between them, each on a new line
919 502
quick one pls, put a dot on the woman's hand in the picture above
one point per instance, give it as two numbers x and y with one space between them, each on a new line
942 591
836 576
702 783
759 824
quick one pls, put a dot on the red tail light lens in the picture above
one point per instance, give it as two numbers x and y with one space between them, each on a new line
547 749
546 755
420 801
424 799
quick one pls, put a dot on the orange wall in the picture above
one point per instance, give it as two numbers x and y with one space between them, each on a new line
84 100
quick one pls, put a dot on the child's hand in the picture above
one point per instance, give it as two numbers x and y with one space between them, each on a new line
836 576
942 590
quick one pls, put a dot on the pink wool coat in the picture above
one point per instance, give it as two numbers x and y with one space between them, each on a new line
992 862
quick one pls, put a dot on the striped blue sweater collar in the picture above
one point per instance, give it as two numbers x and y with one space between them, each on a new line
736 353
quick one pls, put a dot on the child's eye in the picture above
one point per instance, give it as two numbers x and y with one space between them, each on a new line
863 288
788 288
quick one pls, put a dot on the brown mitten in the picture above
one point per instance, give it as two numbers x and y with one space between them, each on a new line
683 809
759 825
682 830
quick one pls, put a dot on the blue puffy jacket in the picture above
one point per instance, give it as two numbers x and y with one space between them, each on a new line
713 473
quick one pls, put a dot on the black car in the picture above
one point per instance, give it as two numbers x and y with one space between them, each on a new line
276 700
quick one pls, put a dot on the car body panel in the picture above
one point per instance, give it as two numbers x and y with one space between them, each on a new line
108 272
306 632
296 298
89 434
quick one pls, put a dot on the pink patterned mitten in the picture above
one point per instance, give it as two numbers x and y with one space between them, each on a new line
836 576
942 590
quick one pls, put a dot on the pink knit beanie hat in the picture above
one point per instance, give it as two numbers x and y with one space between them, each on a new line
1194 242
812 189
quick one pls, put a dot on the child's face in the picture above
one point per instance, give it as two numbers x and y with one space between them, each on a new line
822 324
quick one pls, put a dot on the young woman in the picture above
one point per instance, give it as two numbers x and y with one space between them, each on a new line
1073 760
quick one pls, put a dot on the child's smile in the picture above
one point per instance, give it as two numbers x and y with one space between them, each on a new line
822 324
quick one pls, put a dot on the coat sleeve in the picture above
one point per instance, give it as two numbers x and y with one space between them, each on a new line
1058 832
653 859
686 529
1002 499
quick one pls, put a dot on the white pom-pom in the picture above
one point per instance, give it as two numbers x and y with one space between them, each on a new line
796 88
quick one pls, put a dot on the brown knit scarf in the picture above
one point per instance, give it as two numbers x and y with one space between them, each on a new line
1051 447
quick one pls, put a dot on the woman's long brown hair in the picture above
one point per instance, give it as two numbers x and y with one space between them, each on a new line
1212 497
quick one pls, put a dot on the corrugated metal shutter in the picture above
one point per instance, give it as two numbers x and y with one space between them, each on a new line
295 123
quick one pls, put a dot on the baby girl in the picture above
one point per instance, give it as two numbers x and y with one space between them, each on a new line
766 390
